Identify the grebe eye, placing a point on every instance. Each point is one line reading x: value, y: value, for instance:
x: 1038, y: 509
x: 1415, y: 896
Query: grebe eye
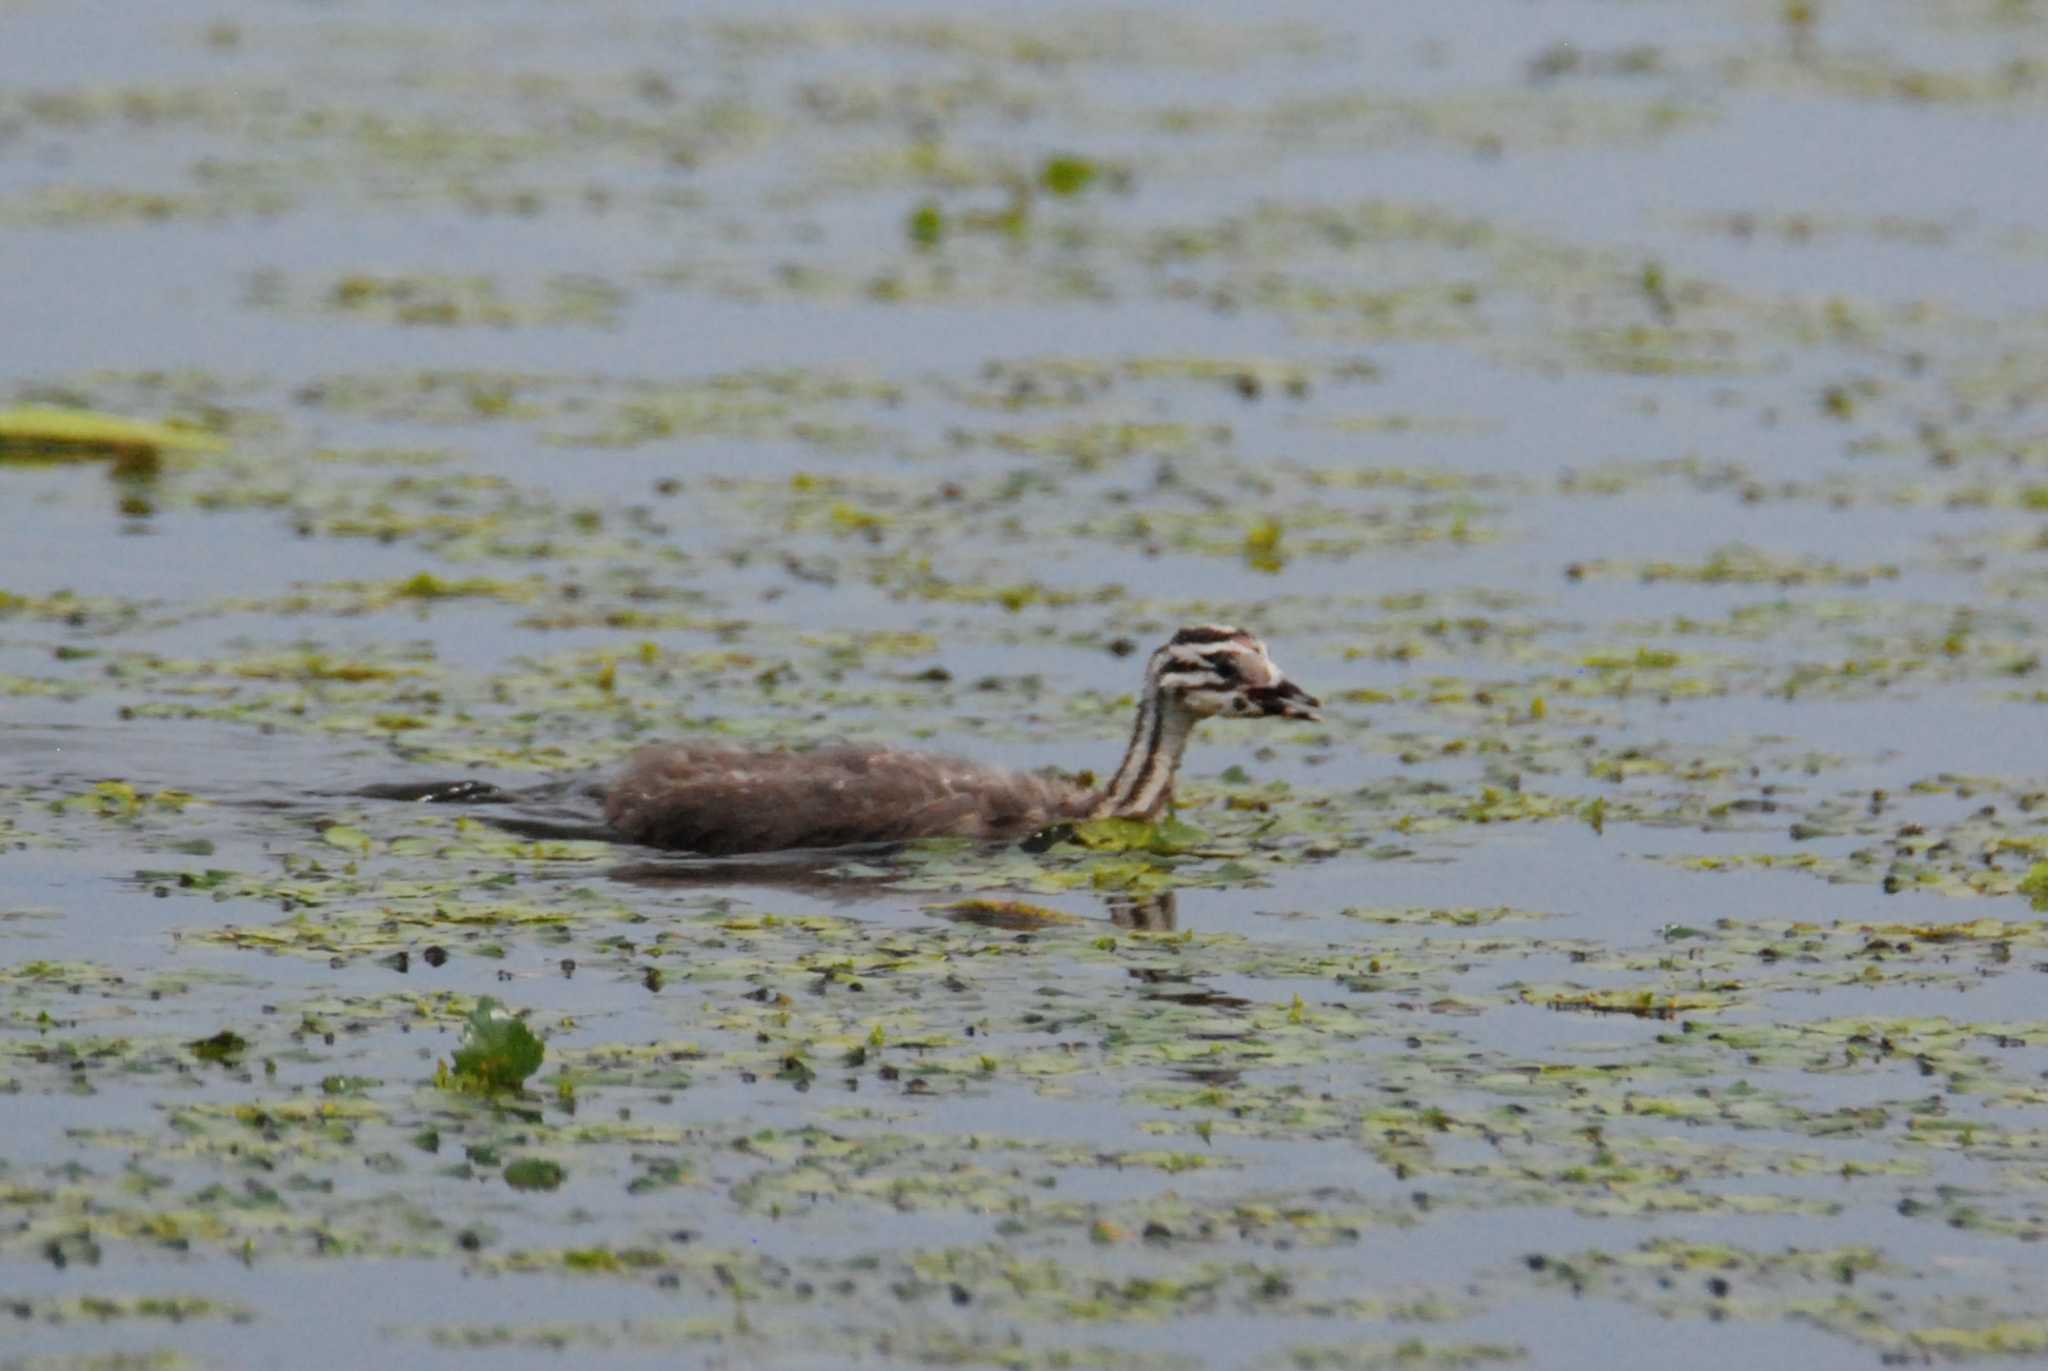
x: 1225, y: 667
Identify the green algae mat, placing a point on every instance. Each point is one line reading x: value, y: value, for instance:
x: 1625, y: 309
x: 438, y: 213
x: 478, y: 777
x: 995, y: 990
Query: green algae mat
x: 1632, y: 421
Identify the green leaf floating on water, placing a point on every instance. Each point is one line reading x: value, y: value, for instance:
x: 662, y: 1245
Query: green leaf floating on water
x: 1164, y: 836
x: 534, y: 1173
x: 2034, y: 885
x: 927, y: 225
x: 498, y: 1051
x: 225, y: 1047
x: 46, y: 432
x: 347, y: 838
x: 1067, y: 174
x: 1012, y: 914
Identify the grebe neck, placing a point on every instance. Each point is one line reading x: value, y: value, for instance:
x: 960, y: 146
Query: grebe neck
x: 1143, y: 785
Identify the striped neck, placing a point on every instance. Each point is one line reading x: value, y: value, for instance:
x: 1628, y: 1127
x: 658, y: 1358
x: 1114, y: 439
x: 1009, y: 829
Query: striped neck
x: 1143, y: 785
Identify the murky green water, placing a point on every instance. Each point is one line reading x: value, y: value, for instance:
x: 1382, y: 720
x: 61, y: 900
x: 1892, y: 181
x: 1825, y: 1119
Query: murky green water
x: 1629, y: 418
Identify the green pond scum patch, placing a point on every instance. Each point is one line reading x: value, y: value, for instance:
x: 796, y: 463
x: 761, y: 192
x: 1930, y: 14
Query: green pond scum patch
x: 1646, y: 943
x: 908, y: 1025
x: 1375, y: 1355
x: 446, y: 301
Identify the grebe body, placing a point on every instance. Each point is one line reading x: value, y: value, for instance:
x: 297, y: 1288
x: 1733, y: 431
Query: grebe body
x: 719, y: 800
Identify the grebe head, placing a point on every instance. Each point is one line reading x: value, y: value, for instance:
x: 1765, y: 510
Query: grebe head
x: 1210, y: 670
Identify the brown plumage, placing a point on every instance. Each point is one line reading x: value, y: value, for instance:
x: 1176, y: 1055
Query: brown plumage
x: 698, y: 798
x: 718, y: 800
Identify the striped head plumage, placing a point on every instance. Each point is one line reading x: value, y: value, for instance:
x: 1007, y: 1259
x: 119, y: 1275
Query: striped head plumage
x: 1215, y: 670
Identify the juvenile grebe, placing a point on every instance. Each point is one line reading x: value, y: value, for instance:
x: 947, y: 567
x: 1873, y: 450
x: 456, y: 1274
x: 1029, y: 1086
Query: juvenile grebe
x: 717, y: 800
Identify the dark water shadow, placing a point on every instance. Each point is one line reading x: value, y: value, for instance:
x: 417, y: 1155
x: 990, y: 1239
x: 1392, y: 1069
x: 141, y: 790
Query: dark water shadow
x: 824, y: 872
